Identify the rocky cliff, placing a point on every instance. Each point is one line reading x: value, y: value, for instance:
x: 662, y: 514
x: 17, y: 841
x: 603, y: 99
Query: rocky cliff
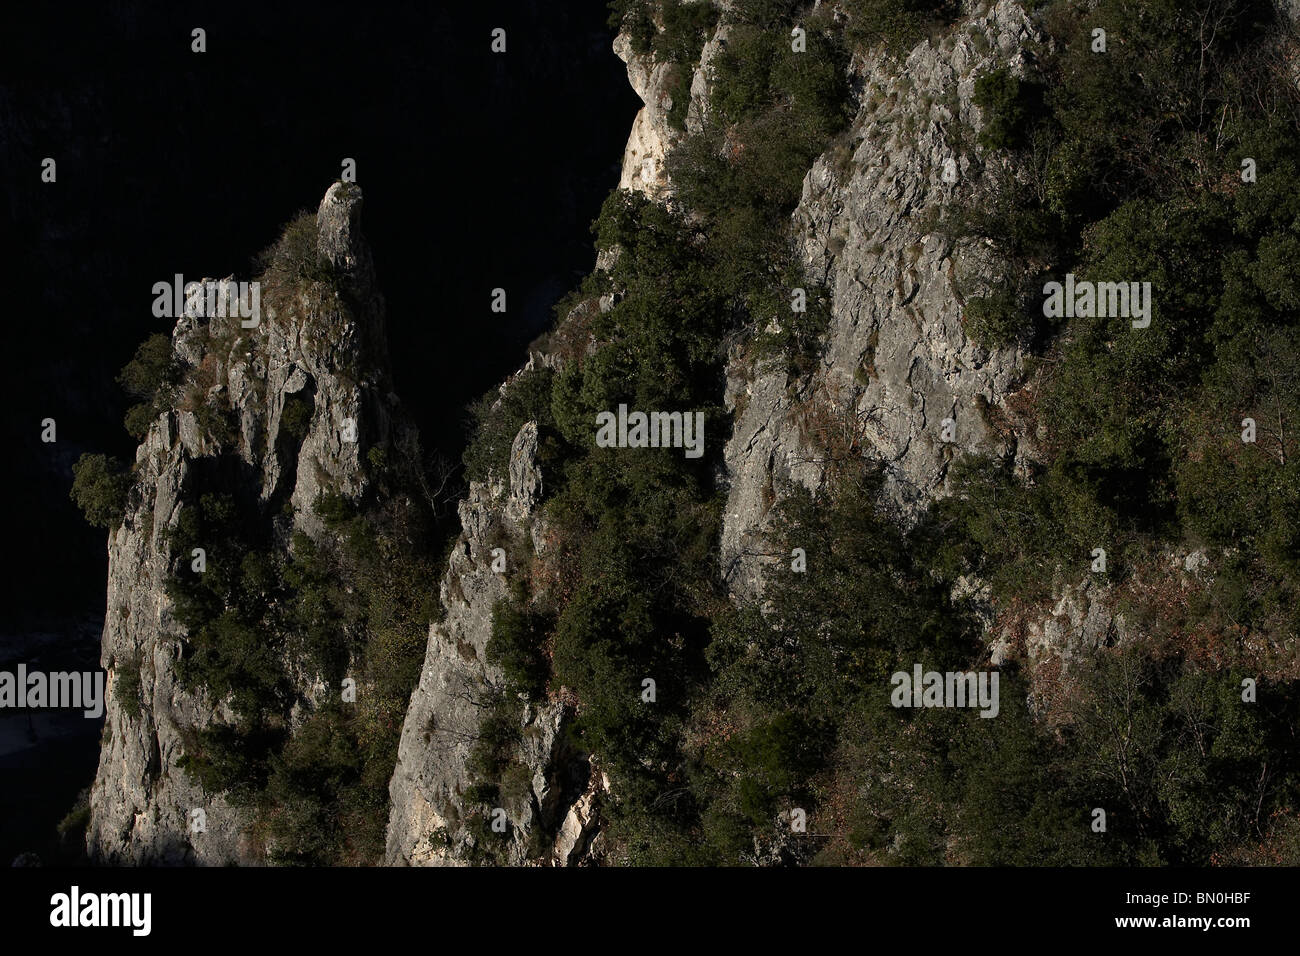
x: 898, y: 381
x: 431, y: 816
x: 896, y: 362
x: 321, y: 343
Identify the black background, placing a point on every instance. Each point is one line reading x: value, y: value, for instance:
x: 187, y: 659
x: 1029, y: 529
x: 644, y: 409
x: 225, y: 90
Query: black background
x: 909, y: 909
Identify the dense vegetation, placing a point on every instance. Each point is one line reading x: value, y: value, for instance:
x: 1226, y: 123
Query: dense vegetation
x: 1130, y: 167
x: 1142, y: 179
x: 353, y: 605
x: 762, y: 710
x: 275, y: 610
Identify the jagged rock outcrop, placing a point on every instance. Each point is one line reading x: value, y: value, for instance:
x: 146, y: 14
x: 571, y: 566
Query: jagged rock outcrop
x: 319, y: 342
x: 653, y: 135
x: 897, y: 361
x: 141, y: 803
x: 1085, y: 615
x: 1052, y: 641
x: 431, y: 812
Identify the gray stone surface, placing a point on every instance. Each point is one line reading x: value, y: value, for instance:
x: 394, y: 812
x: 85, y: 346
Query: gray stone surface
x: 141, y: 801
x: 652, y: 136
x: 429, y: 810
x: 897, y: 361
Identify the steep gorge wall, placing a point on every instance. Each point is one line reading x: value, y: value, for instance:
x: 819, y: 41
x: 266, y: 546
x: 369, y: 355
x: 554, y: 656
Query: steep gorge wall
x: 897, y: 361
x: 897, y: 367
x: 863, y: 231
x: 555, y: 819
x: 896, y: 371
x: 432, y: 814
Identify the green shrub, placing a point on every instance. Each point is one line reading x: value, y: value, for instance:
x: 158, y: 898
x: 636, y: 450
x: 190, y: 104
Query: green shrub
x: 99, y: 487
x: 496, y: 418
x: 998, y: 95
x: 138, y: 419
x: 485, y: 794
x: 776, y: 758
x: 516, y: 647
x: 636, y: 19
x: 497, y: 740
x: 144, y: 377
x: 678, y: 87
x: 127, y: 685
x: 795, y: 336
x: 215, y: 417
x: 685, y: 28
x: 72, y: 828
x: 334, y: 509
x: 229, y: 760
x: 152, y: 367
x: 763, y: 14
x: 293, y: 258
x: 898, y: 24
x: 312, y: 785
x: 295, y: 419
x: 995, y: 320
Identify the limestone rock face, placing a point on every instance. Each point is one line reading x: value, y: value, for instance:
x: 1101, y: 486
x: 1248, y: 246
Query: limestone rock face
x: 525, y: 476
x: 899, y: 380
x: 141, y: 803
x: 653, y: 135
x: 896, y: 363
x: 339, y: 223
x: 1084, y: 615
x: 430, y: 812
x: 576, y: 832
x: 318, y: 343
x: 1053, y: 641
